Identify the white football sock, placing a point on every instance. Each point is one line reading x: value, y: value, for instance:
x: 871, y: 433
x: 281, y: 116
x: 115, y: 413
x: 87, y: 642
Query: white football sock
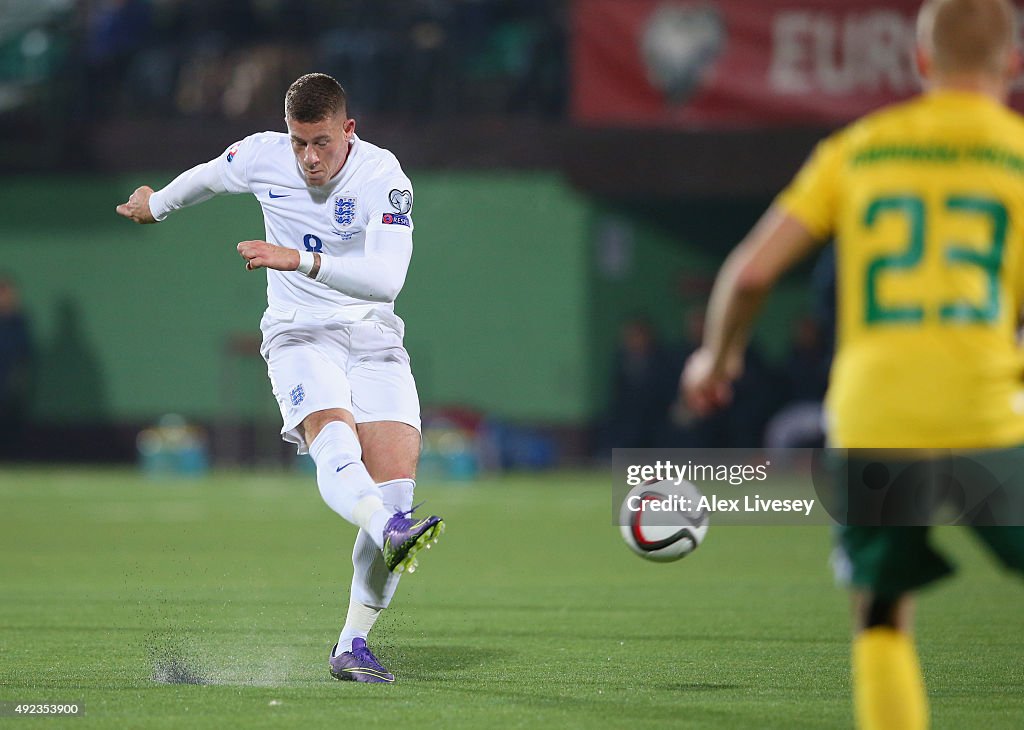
x: 358, y: 623
x: 373, y: 585
x: 344, y: 483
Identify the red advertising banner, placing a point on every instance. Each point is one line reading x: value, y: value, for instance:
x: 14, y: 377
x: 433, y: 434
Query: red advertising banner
x: 739, y: 63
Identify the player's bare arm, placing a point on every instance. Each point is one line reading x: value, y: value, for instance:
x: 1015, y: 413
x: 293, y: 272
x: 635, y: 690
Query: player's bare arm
x: 376, y: 277
x: 775, y: 244
x: 137, y: 208
x: 265, y: 255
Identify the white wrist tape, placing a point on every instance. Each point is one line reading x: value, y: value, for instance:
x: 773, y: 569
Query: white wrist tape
x: 306, y: 261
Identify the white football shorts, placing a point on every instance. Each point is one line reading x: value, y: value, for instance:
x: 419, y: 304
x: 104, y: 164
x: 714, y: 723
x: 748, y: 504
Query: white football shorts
x: 360, y: 366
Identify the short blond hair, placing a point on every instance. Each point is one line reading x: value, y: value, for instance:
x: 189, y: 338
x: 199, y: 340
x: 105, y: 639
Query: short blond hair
x: 967, y: 36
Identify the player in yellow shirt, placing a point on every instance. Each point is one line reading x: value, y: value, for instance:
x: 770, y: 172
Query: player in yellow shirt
x: 925, y: 201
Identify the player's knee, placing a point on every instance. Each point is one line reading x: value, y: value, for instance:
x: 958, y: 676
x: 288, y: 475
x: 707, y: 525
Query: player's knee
x: 391, y: 450
x: 880, y: 612
x: 393, y: 472
x: 314, y: 423
x: 390, y: 464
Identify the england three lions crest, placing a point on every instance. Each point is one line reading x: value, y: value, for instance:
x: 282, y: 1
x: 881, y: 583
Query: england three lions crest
x: 344, y: 210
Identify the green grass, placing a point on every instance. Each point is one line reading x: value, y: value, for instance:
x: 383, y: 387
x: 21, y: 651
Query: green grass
x: 529, y: 613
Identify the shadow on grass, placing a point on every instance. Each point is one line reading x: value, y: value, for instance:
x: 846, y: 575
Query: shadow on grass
x: 695, y: 686
x: 429, y: 662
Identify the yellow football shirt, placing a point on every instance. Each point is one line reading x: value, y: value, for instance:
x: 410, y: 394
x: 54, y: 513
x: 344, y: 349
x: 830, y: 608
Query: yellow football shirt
x: 925, y: 201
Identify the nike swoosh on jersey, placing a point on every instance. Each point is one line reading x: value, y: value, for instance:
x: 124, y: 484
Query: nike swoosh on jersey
x: 278, y: 196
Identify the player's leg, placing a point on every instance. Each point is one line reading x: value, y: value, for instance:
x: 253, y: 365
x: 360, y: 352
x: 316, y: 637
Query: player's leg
x: 888, y: 685
x: 884, y: 565
x: 308, y: 365
x: 341, y: 475
x: 387, y: 410
x: 333, y: 441
x: 390, y: 452
x: 391, y: 449
x: 386, y: 407
x: 374, y: 583
x: 1000, y: 529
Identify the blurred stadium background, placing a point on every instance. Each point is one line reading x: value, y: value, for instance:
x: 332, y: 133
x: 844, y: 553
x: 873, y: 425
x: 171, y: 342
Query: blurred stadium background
x: 581, y: 168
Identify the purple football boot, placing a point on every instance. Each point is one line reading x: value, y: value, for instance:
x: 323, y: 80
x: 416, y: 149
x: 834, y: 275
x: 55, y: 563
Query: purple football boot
x: 359, y: 665
x: 405, y: 536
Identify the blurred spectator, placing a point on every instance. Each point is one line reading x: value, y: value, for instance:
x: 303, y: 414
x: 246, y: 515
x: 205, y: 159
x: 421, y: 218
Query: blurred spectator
x: 115, y: 31
x: 755, y: 397
x: 71, y: 385
x: 682, y: 429
x: 364, y: 50
x: 428, y: 83
x: 400, y: 57
x: 16, y: 356
x: 801, y: 421
x: 741, y: 425
x: 644, y: 384
x: 539, y: 86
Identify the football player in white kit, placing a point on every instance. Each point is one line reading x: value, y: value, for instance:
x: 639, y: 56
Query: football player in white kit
x: 338, y: 242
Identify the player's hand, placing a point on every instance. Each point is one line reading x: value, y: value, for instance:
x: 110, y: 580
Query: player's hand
x: 706, y: 388
x: 260, y: 255
x: 137, y: 207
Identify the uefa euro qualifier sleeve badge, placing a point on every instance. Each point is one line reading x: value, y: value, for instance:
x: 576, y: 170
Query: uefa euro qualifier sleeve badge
x: 401, y: 200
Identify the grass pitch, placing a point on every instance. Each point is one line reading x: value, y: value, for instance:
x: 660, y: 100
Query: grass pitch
x: 214, y: 604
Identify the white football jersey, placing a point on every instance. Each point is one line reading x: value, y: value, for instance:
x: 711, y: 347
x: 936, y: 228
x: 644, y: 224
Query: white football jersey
x: 331, y: 219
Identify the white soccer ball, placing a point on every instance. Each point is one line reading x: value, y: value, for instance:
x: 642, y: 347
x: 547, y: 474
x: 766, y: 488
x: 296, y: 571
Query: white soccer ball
x: 662, y: 521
